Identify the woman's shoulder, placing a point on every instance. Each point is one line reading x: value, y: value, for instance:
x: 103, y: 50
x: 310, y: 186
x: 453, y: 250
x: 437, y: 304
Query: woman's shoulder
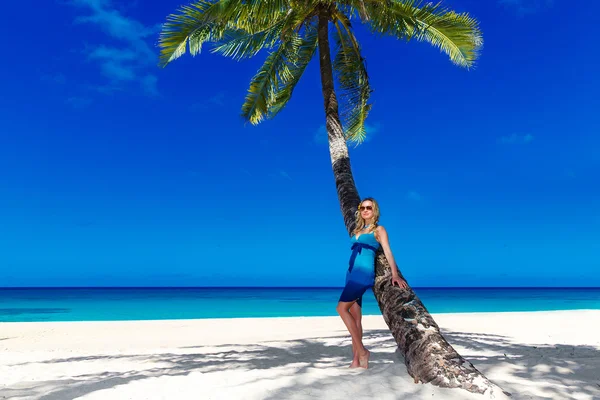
x: 380, y: 233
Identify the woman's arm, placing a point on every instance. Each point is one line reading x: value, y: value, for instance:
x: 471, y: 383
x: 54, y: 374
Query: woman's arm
x: 382, y: 238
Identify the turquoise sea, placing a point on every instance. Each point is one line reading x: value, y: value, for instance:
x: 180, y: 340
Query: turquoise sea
x: 101, y: 304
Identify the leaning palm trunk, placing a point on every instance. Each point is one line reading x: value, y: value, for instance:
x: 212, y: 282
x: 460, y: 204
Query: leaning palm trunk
x: 338, y: 149
x: 429, y: 358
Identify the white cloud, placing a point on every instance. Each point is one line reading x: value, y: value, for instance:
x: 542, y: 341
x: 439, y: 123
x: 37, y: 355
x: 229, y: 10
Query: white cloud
x: 524, y: 7
x: 245, y: 172
x: 516, y: 139
x: 414, y: 196
x: 149, y: 85
x: 110, y: 53
x: 280, y: 173
x: 568, y: 173
x: 130, y: 56
x: 118, y: 71
x: 59, y: 78
x: 285, y: 175
x: 78, y: 102
x: 216, y: 100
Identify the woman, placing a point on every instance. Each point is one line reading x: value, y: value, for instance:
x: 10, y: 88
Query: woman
x: 366, y: 240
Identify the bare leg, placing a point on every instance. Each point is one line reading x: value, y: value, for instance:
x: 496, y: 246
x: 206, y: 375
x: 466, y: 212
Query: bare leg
x: 343, y: 310
x: 356, y: 313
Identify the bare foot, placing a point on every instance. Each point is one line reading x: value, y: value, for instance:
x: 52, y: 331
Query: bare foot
x: 363, y: 359
x: 355, y: 363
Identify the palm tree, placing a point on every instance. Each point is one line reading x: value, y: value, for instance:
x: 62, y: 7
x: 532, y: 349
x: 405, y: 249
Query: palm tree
x: 292, y: 30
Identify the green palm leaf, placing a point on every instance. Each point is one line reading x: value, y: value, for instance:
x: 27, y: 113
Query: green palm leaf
x: 240, y: 44
x: 241, y: 28
x: 353, y: 80
x: 455, y: 34
x: 249, y: 15
x: 274, y: 73
x: 188, y: 27
x: 209, y: 20
x: 306, y: 52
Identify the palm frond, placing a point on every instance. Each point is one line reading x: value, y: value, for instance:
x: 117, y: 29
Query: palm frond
x: 305, y: 53
x: 185, y: 28
x: 209, y: 20
x: 274, y: 73
x: 456, y: 34
x: 251, y: 16
x: 351, y: 74
x: 240, y: 44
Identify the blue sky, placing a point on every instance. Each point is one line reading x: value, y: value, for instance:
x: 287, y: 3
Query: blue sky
x: 117, y: 172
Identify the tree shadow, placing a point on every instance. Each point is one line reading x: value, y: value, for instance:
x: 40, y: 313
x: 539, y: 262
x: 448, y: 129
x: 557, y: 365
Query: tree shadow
x: 286, y: 369
x: 562, y: 371
x: 298, y: 356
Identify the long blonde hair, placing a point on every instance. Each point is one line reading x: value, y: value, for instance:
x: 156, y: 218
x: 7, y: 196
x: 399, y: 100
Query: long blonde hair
x: 360, y: 222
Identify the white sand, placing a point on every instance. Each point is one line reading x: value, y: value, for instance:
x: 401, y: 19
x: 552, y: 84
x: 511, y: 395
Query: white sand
x: 541, y: 355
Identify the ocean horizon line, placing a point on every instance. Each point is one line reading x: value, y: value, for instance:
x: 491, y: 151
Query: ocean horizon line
x: 99, y: 303
x: 288, y: 287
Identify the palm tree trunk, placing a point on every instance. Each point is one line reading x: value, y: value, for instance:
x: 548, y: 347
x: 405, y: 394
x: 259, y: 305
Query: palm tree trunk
x: 429, y: 358
x: 338, y: 149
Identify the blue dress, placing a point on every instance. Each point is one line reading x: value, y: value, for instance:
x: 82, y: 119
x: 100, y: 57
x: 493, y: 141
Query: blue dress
x: 361, y: 271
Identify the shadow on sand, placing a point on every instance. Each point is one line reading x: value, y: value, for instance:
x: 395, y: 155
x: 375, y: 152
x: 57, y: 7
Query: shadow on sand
x: 563, y: 371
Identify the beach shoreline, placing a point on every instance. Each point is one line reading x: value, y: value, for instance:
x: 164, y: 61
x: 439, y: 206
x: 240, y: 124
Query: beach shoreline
x: 541, y: 354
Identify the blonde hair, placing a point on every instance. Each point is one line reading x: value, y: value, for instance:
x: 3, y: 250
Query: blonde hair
x: 360, y: 222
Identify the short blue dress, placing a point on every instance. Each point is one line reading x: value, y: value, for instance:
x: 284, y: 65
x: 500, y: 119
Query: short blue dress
x: 361, y: 272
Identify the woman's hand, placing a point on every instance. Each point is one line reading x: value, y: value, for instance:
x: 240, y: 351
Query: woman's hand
x: 396, y: 280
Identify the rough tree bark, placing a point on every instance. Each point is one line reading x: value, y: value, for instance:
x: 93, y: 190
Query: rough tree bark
x: 429, y: 358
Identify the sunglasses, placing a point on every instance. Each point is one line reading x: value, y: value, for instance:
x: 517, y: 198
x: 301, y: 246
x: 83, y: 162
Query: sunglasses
x: 363, y: 208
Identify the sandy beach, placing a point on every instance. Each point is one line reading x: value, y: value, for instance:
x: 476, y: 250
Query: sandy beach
x: 532, y: 355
